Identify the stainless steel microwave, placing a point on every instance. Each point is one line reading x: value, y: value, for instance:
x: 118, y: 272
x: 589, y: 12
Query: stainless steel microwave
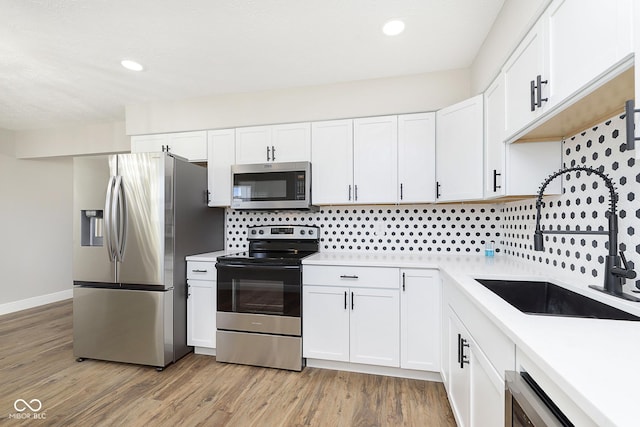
x: 272, y: 186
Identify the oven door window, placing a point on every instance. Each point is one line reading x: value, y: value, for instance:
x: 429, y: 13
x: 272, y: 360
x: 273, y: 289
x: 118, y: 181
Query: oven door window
x: 273, y: 290
x: 269, y: 186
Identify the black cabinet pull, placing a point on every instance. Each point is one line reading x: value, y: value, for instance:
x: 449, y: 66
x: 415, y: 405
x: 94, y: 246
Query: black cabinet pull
x: 403, y: 282
x: 348, y: 276
x: 437, y: 189
x: 540, y: 82
x: 532, y: 95
x: 345, y: 300
x: 349, y: 192
x: 401, y: 195
x: 268, y: 152
x: 495, y: 180
x: 463, y: 357
x: 459, y: 348
x: 355, y: 192
x: 273, y: 153
x: 352, y: 303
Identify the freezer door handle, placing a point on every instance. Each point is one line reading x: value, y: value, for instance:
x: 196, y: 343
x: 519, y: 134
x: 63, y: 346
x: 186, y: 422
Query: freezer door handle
x: 108, y: 218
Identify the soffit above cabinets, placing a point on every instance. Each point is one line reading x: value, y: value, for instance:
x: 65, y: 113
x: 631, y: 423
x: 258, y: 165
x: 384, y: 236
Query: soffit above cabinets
x: 60, y: 60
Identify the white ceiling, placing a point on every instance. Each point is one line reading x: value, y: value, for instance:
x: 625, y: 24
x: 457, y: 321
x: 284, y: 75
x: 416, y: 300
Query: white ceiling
x: 60, y: 59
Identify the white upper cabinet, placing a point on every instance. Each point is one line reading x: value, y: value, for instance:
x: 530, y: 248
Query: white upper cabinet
x: 586, y: 37
x: 417, y: 157
x: 459, y: 151
x: 494, y: 146
x: 220, y: 157
x: 276, y: 143
x: 375, y: 166
x: 526, y: 81
x: 332, y: 162
x: 190, y: 145
x: 514, y: 169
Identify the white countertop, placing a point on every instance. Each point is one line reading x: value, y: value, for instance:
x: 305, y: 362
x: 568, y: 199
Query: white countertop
x: 591, y: 360
x: 209, y: 256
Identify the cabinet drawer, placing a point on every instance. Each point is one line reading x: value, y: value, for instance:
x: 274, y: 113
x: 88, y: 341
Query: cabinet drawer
x: 201, y: 270
x: 370, y: 277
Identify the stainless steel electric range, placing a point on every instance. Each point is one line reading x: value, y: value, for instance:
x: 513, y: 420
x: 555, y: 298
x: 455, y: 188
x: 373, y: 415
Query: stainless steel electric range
x: 259, y: 316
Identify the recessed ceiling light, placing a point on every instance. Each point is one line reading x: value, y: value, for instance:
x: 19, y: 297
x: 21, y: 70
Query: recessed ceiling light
x: 131, y: 65
x: 393, y: 28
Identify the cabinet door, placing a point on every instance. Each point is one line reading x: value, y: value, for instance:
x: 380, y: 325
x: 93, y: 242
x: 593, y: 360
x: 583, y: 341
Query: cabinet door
x: 252, y: 144
x: 375, y: 327
x: 325, y: 323
x: 486, y: 391
x: 220, y: 157
x: 332, y: 162
x: 494, y: 146
x: 420, y: 320
x: 459, y: 373
x: 291, y: 142
x: 190, y: 145
x: 201, y: 313
x: 417, y: 157
x: 375, y: 154
x: 526, y: 63
x: 459, y: 150
x: 586, y: 37
x: 149, y: 143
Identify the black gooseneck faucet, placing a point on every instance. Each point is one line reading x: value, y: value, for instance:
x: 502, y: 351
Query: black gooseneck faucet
x: 614, y: 275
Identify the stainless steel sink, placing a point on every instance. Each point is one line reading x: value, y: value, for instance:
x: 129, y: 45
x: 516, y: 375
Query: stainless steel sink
x: 545, y: 298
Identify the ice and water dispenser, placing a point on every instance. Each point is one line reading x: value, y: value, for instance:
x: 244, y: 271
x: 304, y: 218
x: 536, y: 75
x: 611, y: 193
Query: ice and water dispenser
x: 91, y: 228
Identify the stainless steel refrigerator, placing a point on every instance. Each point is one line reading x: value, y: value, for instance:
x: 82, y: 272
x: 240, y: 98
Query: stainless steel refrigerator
x: 135, y: 218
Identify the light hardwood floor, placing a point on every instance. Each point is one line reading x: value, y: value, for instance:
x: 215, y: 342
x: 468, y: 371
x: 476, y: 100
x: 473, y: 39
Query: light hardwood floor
x: 36, y: 362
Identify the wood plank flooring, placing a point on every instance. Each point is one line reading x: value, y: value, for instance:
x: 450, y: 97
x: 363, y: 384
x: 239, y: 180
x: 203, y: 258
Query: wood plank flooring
x: 36, y: 362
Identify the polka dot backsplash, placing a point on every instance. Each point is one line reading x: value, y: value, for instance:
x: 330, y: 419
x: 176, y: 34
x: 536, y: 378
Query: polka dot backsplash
x: 419, y: 228
x: 583, y: 205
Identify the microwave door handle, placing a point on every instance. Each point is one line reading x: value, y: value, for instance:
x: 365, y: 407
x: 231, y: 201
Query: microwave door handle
x: 108, y: 227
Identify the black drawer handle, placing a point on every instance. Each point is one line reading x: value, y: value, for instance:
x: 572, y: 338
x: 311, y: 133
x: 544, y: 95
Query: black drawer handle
x: 199, y: 271
x: 346, y: 276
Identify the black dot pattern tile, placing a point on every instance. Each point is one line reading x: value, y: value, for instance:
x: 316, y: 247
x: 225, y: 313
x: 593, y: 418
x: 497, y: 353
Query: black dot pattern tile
x: 583, y: 206
x: 404, y: 229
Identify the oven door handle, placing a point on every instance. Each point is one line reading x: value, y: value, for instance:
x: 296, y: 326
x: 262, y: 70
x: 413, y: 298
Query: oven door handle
x: 257, y: 266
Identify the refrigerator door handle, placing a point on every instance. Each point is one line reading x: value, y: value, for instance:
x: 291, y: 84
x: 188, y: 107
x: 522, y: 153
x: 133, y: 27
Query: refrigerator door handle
x: 108, y: 226
x: 118, y: 213
x: 124, y: 218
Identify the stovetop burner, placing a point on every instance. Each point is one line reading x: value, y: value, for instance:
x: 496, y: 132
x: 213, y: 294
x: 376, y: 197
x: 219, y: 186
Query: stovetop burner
x: 279, y: 245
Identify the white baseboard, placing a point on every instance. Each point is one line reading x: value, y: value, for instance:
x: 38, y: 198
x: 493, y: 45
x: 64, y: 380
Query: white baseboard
x: 24, y: 304
x: 375, y: 370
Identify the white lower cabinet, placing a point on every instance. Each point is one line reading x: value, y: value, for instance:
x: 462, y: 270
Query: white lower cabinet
x: 351, y: 314
x: 476, y: 390
x: 420, y: 303
x: 201, y: 304
x: 475, y: 356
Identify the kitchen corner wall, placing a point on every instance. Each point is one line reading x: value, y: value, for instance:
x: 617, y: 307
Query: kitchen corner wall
x: 464, y: 228
x: 584, y: 201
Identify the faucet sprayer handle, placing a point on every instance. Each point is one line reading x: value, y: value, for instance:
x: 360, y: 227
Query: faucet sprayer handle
x: 626, y: 272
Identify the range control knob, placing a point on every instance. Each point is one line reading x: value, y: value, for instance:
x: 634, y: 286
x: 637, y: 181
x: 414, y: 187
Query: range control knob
x: 253, y: 231
x: 302, y: 232
x: 311, y: 232
x: 261, y: 231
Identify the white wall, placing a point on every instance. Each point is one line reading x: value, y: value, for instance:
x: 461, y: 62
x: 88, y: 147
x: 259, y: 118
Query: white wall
x: 511, y: 25
x: 35, y: 227
x: 74, y: 140
x: 404, y: 94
